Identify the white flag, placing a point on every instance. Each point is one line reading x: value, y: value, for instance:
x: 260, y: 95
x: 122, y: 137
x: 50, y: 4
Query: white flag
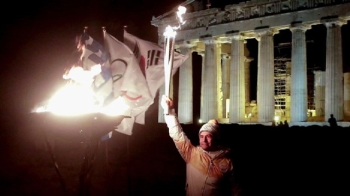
x: 128, y: 81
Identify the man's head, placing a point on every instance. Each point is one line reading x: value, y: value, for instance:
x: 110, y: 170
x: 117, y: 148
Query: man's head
x: 209, y: 135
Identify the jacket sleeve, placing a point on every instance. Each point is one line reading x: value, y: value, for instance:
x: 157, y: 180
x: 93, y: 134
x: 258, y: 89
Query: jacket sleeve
x: 182, y: 143
x: 234, y: 185
x: 235, y: 190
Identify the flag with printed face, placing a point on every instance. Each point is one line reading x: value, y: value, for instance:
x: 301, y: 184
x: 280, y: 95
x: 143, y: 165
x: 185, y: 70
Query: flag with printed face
x: 128, y: 81
x: 151, y: 60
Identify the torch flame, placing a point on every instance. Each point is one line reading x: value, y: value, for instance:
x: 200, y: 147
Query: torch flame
x: 169, y: 42
x: 171, y: 31
x: 180, y: 12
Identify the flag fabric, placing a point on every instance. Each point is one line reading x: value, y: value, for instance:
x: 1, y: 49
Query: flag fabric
x: 128, y: 81
x: 93, y: 53
x: 151, y: 60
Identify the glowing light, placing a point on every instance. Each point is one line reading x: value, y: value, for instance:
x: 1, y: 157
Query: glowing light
x: 180, y: 12
x: 169, y: 42
x: 81, y: 76
x: 77, y: 96
x: 40, y: 109
x: 72, y: 99
x: 169, y: 32
x: 117, y: 107
x: 277, y: 118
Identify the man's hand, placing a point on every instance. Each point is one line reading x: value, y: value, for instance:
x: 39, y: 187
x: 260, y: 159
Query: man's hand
x: 166, y: 103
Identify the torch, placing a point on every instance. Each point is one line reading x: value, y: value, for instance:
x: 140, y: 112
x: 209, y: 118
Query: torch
x: 169, y: 41
x: 169, y: 44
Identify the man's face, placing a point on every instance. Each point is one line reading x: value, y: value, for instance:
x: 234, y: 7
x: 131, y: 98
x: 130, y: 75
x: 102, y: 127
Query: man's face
x: 206, y: 141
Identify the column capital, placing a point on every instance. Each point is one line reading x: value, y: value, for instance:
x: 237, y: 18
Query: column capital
x: 201, y: 53
x: 225, y: 56
x: 235, y: 36
x: 299, y: 26
x: 232, y: 36
x: 333, y: 22
x: 209, y: 40
x: 187, y: 44
x: 248, y: 59
x: 258, y: 33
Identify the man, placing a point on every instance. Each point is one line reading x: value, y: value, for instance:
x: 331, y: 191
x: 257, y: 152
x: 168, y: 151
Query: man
x: 332, y: 121
x: 209, y: 169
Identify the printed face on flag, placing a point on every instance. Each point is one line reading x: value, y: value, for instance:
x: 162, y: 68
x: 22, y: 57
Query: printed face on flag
x: 117, y: 67
x: 128, y: 81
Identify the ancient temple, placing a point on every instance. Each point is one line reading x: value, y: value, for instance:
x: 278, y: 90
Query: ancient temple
x: 284, y: 88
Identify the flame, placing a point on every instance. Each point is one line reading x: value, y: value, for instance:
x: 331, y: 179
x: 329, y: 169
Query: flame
x: 77, y: 96
x: 73, y: 99
x: 171, y: 31
x: 81, y: 76
x: 180, y: 12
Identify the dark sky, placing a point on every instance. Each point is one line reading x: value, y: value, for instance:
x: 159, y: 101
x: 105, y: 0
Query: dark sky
x: 38, y: 42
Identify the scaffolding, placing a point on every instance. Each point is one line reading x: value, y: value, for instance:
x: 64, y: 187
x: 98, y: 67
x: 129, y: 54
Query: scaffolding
x: 282, y: 88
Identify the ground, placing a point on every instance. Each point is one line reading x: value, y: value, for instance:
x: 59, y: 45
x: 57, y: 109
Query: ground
x: 269, y: 161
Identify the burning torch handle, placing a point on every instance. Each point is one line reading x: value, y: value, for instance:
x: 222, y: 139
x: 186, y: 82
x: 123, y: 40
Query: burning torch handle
x: 168, y: 65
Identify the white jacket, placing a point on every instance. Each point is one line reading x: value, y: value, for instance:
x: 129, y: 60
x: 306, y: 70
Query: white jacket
x: 207, y: 173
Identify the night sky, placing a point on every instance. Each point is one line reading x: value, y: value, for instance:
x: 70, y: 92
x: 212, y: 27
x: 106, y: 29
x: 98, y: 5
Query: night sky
x: 37, y: 45
x: 38, y: 42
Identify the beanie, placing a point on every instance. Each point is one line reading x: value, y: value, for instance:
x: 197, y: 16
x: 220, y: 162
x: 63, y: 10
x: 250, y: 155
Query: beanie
x: 212, y: 126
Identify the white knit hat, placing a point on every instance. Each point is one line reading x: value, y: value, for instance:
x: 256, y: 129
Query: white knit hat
x: 212, y: 126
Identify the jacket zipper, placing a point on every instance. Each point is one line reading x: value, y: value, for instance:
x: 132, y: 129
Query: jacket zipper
x: 207, y: 176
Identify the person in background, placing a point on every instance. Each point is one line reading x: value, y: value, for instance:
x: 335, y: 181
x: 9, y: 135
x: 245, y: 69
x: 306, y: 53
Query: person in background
x: 209, y: 168
x: 332, y: 121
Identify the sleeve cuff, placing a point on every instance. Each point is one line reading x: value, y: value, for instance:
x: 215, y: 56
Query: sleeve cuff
x: 171, y: 119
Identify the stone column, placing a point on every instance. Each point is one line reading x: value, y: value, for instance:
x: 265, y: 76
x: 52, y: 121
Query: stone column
x: 185, y: 98
x: 209, y: 94
x: 288, y: 87
x: 334, y: 70
x: 346, y: 96
x: 265, y: 90
x: 225, y: 58
x: 237, y: 82
x: 247, y: 73
x: 298, y: 108
x: 247, y: 79
x: 201, y: 53
x: 320, y: 82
